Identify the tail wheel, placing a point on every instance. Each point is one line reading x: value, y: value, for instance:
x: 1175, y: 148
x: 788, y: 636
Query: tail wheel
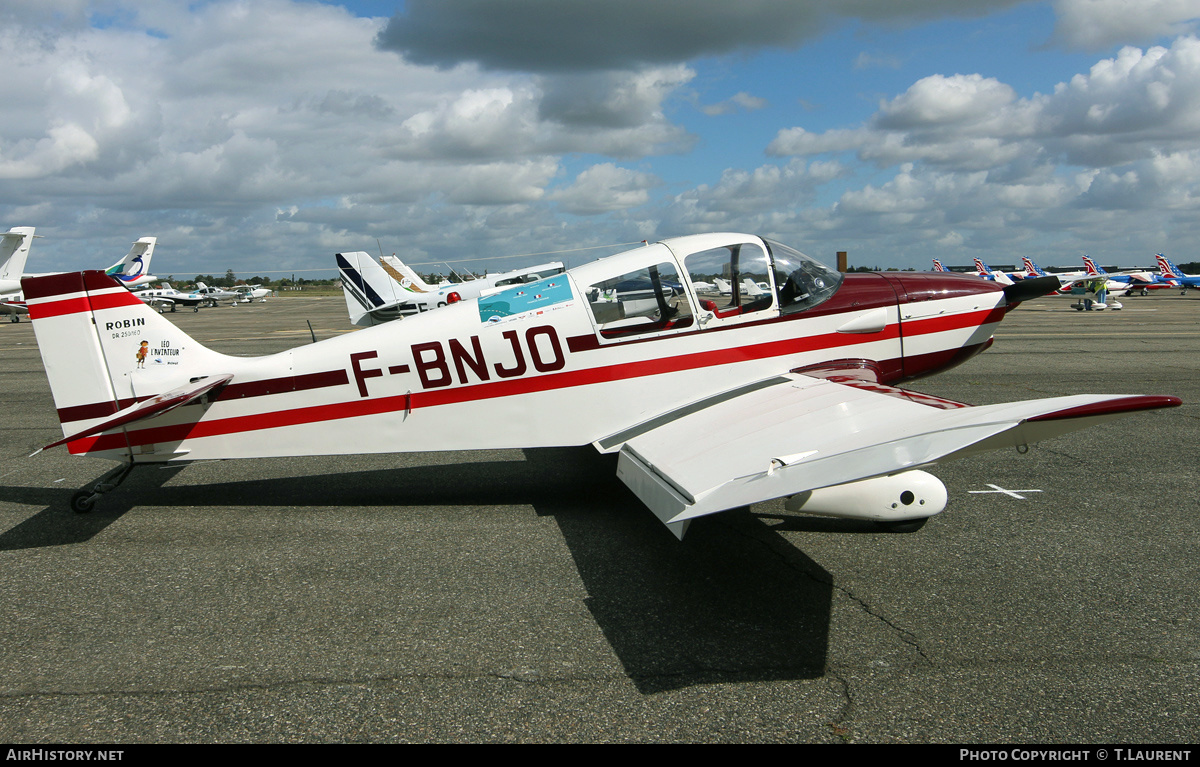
x: 83, y: 501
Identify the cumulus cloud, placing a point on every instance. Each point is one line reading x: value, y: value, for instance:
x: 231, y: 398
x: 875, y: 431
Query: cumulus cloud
x: 1099, y: 24
x: 1133, y: 106
x: 292, y: 129
x: 605, y: 188
x: 754, y: 200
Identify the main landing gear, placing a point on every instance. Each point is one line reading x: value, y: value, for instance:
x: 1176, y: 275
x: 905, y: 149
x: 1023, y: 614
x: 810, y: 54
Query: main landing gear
x: 84, y: 498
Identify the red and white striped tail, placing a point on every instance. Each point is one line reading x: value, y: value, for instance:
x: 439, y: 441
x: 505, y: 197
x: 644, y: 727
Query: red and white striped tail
x: 104, y: 349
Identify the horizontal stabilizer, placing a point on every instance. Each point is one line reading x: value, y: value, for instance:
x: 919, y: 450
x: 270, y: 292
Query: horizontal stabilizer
x: 148, y: 408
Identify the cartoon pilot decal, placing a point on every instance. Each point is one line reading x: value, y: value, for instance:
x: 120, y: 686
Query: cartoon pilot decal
x: 141, y: 353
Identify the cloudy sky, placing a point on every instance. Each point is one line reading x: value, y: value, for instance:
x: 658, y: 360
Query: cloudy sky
x: 265, y: 136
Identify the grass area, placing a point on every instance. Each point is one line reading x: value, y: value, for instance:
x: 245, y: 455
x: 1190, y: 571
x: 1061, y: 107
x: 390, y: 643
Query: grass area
x: 309, y: 291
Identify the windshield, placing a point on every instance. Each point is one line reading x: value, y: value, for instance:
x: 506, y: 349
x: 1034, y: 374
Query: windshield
x: 802, y: 281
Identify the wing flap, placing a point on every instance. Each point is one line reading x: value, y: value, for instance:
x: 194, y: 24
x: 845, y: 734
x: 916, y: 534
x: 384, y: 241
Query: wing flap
x: 799, y: 434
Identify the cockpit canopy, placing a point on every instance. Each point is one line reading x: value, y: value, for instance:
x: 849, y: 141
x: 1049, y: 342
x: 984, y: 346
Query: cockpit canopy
x: 700, y: 281
x: 801, y: 281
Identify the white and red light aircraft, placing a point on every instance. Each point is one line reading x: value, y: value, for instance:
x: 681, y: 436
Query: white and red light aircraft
x: 712, y: 403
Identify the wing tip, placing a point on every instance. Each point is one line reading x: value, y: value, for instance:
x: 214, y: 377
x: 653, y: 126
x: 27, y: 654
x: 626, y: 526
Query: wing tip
x: 1115, y: 406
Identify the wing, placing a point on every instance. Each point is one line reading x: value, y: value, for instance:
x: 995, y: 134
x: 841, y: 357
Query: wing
x: 158, y: 302
x: 794, y: 434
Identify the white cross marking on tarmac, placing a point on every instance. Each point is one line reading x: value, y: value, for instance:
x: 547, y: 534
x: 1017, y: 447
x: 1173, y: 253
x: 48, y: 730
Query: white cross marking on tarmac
x: 1014, y: 493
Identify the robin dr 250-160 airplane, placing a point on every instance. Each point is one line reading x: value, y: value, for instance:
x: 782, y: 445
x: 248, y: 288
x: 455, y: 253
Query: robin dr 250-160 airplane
x: 712, y: 401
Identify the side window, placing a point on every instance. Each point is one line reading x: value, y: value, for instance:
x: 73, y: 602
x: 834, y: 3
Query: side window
x: 649, y: 299
x: 732, y: 279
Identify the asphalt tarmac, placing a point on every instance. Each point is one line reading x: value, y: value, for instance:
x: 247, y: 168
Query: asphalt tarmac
x: 526, y: 596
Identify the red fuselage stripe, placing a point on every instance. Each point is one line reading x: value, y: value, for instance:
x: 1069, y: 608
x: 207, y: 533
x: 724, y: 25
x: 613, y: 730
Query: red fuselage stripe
x: 509, y: 388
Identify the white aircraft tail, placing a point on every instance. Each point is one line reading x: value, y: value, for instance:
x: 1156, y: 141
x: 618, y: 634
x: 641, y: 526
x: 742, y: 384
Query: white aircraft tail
x: 751, y: 288
x: 409, y: 280
x: 937, y: 266
x: 110, y: 358
x: 1091, y: 267
x: 14, y: 250
x: 136, y: 262
x: 368, y: 286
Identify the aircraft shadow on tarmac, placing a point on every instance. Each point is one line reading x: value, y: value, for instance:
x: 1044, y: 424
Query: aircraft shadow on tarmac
x: 733, y: 602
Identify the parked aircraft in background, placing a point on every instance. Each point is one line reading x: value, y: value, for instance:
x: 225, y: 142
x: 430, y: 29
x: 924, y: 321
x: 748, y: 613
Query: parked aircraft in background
x: 248, y: 293
x: 981, y: 270
x: 1171, y: 272
x: 1033, y: 270
x: 14, y: 251
x: 710, y: 404
x: 166, y: 298
x: 988, y: 273
x: 1127, y: 282
x: 377, y: 293
x: 130, y: 271
x: 215, y: 296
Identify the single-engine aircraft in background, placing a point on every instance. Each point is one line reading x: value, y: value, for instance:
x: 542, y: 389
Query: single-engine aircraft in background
x: 248, y: 293
x: 165, y: 298
x: 712, y: 402
x: 378, y: 292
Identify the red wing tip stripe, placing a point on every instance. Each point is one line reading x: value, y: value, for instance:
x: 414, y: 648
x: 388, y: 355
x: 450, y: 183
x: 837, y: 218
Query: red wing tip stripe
x: 1112, y: 407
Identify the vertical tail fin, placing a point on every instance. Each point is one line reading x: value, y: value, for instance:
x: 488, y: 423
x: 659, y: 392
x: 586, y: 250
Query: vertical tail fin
x: 1167, y: 268
x: 937, y: 266
x: 991, y: 273
x: 408, y: 279
x: 1091, y: 267
x: 103, y: 349
x: 1031, y: 268
x: 368, y: 287
x: 751, y: 288
x: 136, y: 263
x: 14, y: 250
